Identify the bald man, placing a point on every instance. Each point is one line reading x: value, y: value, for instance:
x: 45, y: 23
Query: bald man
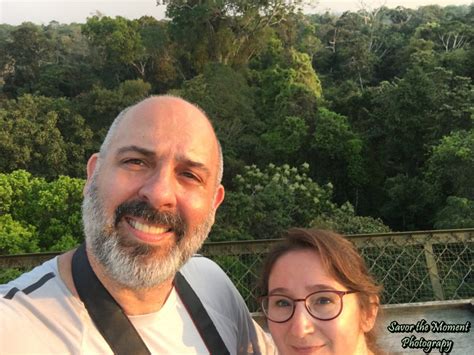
x: 135, y: 287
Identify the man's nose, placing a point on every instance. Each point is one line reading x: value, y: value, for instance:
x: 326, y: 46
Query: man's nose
x: 302, y: 323
x: 160, y: 189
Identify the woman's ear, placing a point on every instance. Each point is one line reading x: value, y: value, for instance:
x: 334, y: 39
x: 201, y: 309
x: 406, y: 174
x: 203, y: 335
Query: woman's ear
x: 369, y: 316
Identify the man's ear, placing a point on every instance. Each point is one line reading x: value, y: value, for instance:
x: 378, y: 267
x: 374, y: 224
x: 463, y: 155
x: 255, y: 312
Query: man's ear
x: 218, y: 198
x: 369, y: 316
x: 220, y: 193
x: 91, y: 166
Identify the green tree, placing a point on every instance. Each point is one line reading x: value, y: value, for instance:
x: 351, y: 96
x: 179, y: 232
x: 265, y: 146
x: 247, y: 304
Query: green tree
x: 410, y: 203
x: 26, y: 50
x: 100, y: 106
x: 266, y: 202
x: 336, y: 154
x: 30, y: 138
x: 16, y: 234
x: 345, y: 221
x: 354, y: 44
x: 230, y: 32
x: 119, y: 50
x: 457, y: 213
x: 16, y: 238
x: 420, y: 108
x: 451, y: 165
x: 161, y: 66
x: 44, y: 135
x: 70, y: 58
x: 44, y: 215
x: 287, y: 94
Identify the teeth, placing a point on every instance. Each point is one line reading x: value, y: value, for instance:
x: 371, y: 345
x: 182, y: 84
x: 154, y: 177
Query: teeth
x: 147, y: 228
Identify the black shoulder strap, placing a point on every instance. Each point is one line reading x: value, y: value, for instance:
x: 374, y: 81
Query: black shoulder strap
x: 115, y: 326
x: 201, y: 319
x: 107, y: 315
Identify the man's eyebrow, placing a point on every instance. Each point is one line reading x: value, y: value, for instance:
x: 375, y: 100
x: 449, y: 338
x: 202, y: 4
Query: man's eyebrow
x: 137, y: 149
x: 180, y: 158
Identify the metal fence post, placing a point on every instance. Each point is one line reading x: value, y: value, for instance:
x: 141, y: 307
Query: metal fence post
x: 433, y: 271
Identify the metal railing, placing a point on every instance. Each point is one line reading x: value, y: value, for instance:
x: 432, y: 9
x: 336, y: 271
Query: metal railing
x: 412, y: 266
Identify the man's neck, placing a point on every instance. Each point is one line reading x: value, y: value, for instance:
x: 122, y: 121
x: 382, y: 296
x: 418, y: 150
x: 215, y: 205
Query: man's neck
x: 133, y: 302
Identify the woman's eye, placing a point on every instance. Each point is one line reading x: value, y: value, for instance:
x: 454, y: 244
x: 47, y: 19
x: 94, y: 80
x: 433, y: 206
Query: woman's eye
x: 322, y: 301
x: 283, y: 303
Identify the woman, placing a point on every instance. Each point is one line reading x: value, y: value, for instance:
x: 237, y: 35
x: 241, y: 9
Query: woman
x: 319, y: 298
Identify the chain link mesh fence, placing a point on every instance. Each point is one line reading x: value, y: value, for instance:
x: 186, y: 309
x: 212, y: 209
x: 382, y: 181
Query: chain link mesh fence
x: 412, y: 267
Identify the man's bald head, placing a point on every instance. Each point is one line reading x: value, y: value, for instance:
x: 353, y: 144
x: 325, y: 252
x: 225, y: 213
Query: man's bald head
x: 184, y: 106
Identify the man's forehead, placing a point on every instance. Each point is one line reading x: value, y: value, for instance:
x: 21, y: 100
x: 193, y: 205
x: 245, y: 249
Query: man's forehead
x: 167, y: 120
x: 165, y: 111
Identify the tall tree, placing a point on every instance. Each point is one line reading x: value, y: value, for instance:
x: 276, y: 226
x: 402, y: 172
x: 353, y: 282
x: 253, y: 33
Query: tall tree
x: 120, y: 52
x: 451, y: 165
x: 287, y: 94
x: 335, y: 153
x: 161, y: 67
x: 230, y: 32
x: 26, y: 51
x: 43, y: 135
x: 70, y: 58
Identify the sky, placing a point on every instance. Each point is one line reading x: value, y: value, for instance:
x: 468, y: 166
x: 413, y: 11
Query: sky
x: 14, y: 12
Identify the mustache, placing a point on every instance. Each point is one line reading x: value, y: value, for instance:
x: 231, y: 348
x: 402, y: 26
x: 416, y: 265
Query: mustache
x: 145, y: 211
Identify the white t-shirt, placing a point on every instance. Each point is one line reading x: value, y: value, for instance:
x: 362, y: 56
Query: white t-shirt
x: 39, y: 315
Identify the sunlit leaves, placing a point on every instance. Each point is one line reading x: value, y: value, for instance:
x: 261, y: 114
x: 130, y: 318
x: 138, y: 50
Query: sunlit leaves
x: 267, y: 201
x: 39, y: 215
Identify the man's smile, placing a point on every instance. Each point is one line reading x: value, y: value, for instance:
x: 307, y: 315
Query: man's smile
x: 148, y: 228
x: 149, y: 233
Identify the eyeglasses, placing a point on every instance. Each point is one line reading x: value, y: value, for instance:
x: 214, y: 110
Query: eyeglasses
x: 322, y: 305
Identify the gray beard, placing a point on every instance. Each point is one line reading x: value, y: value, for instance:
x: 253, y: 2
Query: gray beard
x: 134, y: 265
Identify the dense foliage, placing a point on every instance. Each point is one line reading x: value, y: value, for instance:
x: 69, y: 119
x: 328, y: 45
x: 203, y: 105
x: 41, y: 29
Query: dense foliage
x: 323, y: 118
x: 37, y: 215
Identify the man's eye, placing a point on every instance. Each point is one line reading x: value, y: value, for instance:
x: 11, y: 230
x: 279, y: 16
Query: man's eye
x: 190, y: 175
x: 137, y: 162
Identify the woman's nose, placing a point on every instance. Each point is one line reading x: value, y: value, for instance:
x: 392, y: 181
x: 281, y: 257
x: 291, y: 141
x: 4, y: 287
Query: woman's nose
x: 302, y: 323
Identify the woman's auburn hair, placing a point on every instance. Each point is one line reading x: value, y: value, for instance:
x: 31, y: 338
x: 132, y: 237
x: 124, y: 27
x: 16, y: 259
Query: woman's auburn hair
x: 340, y: 259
